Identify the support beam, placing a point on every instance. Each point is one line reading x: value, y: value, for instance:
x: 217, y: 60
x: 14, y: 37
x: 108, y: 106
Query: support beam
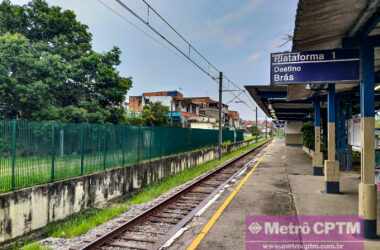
x: 318, y: 155
x: 354, y: 42
x: 293, y: 110
x: 367, y: 187
x: 272, y: 94
x: 331, y: 165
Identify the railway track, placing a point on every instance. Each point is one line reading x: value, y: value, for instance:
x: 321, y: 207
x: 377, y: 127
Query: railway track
x: 154, y: 227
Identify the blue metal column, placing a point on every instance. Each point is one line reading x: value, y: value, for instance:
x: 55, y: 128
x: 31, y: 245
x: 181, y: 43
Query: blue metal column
x: 342, y: 151
x: 331, y: 165
x: 318, y: 155
x: 367, y: 187
x: 348, y: 116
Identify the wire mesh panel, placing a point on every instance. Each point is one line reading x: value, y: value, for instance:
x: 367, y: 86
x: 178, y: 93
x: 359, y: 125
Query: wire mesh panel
x: 132, y: 145
x: 5, y: 156
x: 94, y: 145
x: 40, y: 152
x: 32, y: 152
x: 113, y: 148
x: 68, y: 157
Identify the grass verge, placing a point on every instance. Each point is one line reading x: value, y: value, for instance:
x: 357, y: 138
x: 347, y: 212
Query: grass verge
x: 81, y: 223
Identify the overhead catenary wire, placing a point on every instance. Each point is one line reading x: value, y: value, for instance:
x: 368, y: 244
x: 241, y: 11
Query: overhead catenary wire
x: 235, y: 97
x: 136, y: 27
x: 166, y: 39
x: 178, y: 51
x: 191, y: 47
x: 242, y: 90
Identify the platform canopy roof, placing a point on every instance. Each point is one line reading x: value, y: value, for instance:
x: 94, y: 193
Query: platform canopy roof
x: 331, y: 24
x: 272, y: 100
x: 319, y: 25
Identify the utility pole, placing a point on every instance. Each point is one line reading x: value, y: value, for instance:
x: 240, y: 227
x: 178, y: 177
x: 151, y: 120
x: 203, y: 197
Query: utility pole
x: 266, y: 127
x: 257, y: 127
x: 220, y: 115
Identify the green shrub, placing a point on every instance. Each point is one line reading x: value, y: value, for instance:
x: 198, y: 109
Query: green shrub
x: 308, y: 135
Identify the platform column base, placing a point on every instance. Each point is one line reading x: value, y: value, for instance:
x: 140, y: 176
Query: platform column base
x: 332, y: 173
x: 370, y: 229
x: 332, y: 187
x: 317, y: 171
x: 318, y: 164
x: 368, y: 209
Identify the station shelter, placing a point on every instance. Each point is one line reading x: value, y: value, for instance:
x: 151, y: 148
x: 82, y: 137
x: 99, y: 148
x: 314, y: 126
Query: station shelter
x: 334, y: 108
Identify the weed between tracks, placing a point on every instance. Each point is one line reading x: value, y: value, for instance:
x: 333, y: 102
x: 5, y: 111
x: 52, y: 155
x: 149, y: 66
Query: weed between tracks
x: 81, y: 223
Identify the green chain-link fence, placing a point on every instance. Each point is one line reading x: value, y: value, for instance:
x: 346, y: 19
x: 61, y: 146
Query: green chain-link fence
x: 39, y: 152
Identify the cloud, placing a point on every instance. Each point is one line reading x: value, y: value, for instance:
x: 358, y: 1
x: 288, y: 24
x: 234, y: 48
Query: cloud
x: 225, y: 27
x: 254, y: 57
x: 239, y: 13
x: 235, y: 38
x: 281, y: 42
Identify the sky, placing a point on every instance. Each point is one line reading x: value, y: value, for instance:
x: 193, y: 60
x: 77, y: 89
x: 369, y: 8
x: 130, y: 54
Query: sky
x: 236, y: 36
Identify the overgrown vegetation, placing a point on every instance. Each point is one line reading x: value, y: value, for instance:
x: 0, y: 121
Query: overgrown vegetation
x: 255, y: 131
x: 308, y: 135
x: 153, y: 114
x: 82, y: 223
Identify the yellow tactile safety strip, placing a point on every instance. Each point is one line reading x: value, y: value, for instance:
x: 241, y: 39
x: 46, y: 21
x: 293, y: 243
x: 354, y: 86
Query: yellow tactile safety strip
x: 205, y: 230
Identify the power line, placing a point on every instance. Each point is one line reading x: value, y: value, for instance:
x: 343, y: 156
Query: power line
x: 190, y: 47
x: 186, y: 41
x: 137, y: 27
x: 146, y: 22
x: 159, y: 42
x: 238, y: 87
x: 180, y: 35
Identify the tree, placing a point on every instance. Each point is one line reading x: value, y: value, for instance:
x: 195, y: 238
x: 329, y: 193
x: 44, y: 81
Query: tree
x: 134, y: 121
x: 49, y: 71
x: 155, y: 114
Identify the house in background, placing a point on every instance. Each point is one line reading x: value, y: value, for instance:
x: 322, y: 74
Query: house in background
x: 191, y: 112
x: 205, y: 112
x: 135, y: 104
x: 234, y: 120
x: 169, y: 99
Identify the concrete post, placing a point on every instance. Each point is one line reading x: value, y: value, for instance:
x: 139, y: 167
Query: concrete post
x: 367, y: 187
x: 331, y: 165
x: 318, y: 155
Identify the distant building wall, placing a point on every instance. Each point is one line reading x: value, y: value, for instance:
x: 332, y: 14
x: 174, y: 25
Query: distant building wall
x: 164, y: 100
x: 293, y: 134
x: 135, y: 104
x: 29, y: 209
x: 293, y: 139
x: 202, y: 125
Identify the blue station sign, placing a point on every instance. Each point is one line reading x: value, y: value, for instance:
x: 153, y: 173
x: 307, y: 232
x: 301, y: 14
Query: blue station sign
x: 319, y: 66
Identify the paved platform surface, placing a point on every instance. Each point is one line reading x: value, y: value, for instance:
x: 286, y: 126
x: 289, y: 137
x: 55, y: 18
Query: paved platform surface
x: 281, y: 185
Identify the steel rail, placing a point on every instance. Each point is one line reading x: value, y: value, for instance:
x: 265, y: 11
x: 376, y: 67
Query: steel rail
x: 139, y: 219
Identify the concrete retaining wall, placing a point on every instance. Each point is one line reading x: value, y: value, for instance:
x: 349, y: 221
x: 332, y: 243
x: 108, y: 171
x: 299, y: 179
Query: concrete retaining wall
x: 29, y: 209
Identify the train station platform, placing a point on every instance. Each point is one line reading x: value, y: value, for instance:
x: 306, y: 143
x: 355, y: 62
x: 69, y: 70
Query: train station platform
x: 282, y: 184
